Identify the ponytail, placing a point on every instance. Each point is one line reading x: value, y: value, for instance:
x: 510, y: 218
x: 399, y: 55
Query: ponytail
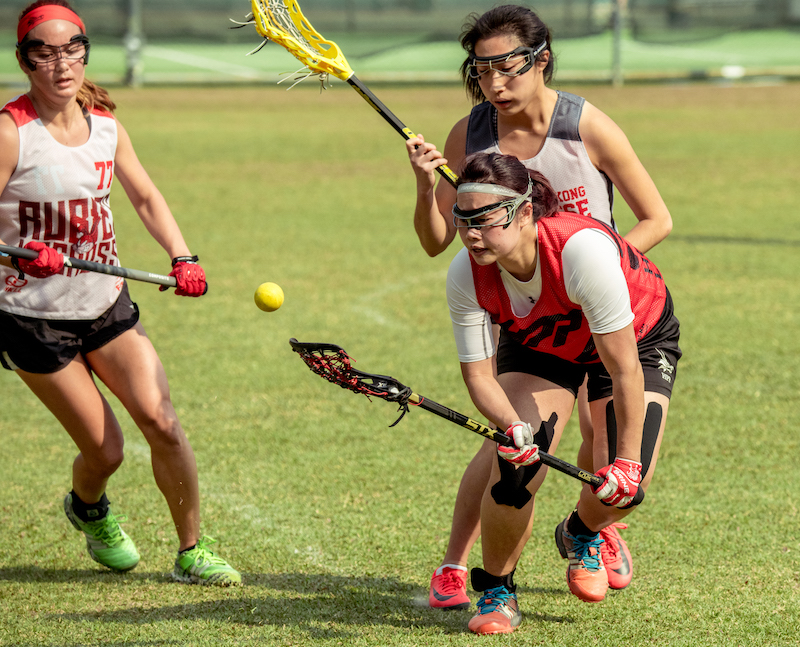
x: 92, y: 96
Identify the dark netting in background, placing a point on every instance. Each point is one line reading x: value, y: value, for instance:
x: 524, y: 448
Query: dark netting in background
x: 443, y: 19
x: 421, y: 20
x: 162, y: 20
x: 668, y: 21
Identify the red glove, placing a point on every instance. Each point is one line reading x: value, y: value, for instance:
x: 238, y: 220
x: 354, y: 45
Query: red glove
x: 526, y: 451
x: 620, y: 482
x: 190, y: 277
x: 48, y: 262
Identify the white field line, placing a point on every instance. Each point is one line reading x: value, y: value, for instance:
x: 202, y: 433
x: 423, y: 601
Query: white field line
x: 201, y: 62
x: 369, y: 305
x: 262, y: 520
x: 685, y: 53
x: 137, y: 446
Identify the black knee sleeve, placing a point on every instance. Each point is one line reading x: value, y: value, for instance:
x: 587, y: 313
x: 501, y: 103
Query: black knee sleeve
x: 511, y: 489
x: 652, y: 424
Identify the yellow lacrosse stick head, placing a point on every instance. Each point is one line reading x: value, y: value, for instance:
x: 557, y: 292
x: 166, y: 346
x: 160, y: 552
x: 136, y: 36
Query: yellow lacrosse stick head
x: 282, y: 22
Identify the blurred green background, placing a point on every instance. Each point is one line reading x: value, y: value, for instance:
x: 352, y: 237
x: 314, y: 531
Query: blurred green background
x: 177, y: 41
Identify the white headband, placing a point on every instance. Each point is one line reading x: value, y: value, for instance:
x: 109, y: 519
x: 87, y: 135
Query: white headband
x: 493, y: 189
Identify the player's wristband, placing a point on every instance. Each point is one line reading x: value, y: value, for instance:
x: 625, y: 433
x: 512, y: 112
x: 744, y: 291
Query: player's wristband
x: 184, y: 259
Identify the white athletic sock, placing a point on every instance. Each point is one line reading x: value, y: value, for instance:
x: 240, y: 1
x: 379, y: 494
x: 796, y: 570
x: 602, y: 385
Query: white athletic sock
x: 458, y: 567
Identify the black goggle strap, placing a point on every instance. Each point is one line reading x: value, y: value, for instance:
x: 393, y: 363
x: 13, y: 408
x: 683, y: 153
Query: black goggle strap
x: 530, y: 53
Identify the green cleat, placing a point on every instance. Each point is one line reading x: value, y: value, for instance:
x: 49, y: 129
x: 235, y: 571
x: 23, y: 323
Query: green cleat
x: 201, y: 566
x: 107, y: 543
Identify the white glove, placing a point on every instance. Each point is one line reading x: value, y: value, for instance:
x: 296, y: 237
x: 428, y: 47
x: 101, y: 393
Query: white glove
x: 526, y: 451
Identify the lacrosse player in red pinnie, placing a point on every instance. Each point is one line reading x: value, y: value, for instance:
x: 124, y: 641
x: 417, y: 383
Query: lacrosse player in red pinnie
x: 60, y: 149
x: 581, y: 152
x: 574, y: 303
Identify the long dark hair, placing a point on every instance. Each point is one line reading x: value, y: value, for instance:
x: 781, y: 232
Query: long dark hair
x: 90, y: 96
x: 507, y: 20
x: 508, y: 171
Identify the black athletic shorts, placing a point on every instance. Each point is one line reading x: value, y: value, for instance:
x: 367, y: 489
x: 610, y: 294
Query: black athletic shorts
x: 659, y: 353
x: 47, y: 345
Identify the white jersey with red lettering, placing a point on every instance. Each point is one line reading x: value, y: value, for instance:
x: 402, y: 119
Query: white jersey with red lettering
x: 59, y: 195
x: 563, y: 159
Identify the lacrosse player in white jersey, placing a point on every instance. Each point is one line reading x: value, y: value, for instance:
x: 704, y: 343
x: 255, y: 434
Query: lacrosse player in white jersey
x: 60, y: 149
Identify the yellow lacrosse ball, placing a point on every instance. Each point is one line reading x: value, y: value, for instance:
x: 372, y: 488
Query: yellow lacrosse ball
x: 269, y: 296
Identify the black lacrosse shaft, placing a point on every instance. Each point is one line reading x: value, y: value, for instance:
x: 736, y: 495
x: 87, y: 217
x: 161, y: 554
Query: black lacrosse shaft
x: 91, y: 266
x: 398, y: 125
x: 499, y: 437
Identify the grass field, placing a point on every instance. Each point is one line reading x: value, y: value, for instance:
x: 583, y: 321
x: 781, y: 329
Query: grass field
x: 335, y: 520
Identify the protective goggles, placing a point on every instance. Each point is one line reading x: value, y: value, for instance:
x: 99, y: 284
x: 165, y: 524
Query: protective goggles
x: 513, y: 63
x: 477, y: 218
x: 35, y: 51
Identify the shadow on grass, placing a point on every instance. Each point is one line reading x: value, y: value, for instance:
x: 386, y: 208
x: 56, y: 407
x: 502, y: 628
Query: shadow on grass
x: 321, y: 605
x: 24, y: 574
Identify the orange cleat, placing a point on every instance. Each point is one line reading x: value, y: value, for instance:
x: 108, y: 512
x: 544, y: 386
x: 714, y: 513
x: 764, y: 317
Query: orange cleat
x: 616, y: 556
x: 498, y: 613
x: 449, y: 588
x: 586, y: 575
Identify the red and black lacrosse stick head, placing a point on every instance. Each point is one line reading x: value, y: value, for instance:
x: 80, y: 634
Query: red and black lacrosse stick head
x: 335, y: 365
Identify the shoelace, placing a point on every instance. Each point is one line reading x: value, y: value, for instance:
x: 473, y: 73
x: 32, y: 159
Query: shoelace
x: 450, y: 583
x: 583, y: 546
x: 107, y: 529
x: 493, y: 598
x: 204, y: 555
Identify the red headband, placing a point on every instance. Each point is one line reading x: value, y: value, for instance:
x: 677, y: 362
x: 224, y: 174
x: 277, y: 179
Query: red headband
x: 42, y: 14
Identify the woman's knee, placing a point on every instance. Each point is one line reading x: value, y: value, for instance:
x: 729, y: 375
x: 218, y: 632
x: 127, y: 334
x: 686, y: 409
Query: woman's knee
x: 160, y: 425
x: 103, y: 460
